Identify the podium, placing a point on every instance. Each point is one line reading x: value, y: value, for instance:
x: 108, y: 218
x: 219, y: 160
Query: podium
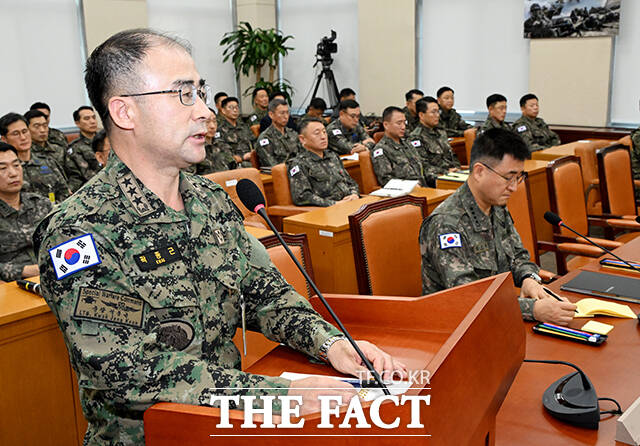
x: 469, y: 339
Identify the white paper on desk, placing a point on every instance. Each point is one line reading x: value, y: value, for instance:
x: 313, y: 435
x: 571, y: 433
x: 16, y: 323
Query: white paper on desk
x: 370, y: 394
x: 353, y: 156
x: 396, y: 188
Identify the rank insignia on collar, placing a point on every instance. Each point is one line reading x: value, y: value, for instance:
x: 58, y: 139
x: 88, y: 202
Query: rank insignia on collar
x: 133, y: 192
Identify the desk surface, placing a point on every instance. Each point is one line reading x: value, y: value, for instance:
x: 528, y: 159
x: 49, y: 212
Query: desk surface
x: 564, y: 149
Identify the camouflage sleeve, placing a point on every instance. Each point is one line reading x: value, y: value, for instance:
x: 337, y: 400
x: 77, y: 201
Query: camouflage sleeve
x: 302, y: 193
x: 461, y: 124
x: 352, y: 185
x: 74, y: 175
x: 61, y: 189
x: 635, y: 153
x: 527, y: 136
x: 10, y: 271
x: 526, y: 308
x: 128, y: 362
x: 453, y: 133
x: 362, y: 135
x: 338, y: 142
x: 453, y: 160
x: 381, y: 165
x: 555, y: 139
x: 265, y: 150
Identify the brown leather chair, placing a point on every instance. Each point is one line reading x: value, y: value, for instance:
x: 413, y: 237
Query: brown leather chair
x: 369, y: 179
x: 519, y: 206
x: 625, y: 140
x: 253, y: 158
x: 469, y: 138
x: 257, y: 344
x: 283, y: 204
x: 228, y: 180
x: 586, y: 151
x: 377, y: 136
x: 255, y: 128
x: 72, y: 136
x: 384, y: 236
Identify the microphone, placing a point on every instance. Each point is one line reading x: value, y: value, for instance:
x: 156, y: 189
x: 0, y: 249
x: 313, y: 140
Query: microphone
x: 555, y: 220
x: 30, y: 286
x: 252, y: 198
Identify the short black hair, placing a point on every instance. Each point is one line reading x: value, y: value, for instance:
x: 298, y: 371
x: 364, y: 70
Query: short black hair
x: 494, y: 98
x: 275, y: 103
x: 494, y: 144
x: 409, y: 94
x: 303, y: 124
x: 423, y: 104
x: 386, y: 114
x: 318, y: 104
x: 349, y: 103
x: 274, y: 94
x: 346, y: 92
x: 76, y: 113
x: 37, y: 105
x: 443, y: 90
x: 527, y: 97
x: 256, y: 90
x: 228, y: 99
x: 4, y: 147
x: 9, y: 119
x: 219, y: 95
x: 29, y: 115
x: 112, y: 68
x: 97, y: 144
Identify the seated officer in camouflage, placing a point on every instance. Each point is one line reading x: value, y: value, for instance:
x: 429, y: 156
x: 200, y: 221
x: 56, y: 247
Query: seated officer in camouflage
x: 533, y: 130
x: 260, y: 99
x: 216, y: 158
x: 410, y: 113
x: 146, y: 268
x: 37, y: 124
x: 235, y: 136
x: 278, y: 142
x: 20, y: 212
x: 317, y: 176
x: 394, y: 156
x: 42, y: 176
x: 101, y: 147
x: 471, y: 235
x: 497, y: 107
x: 346, y: 134
x: 635, y: 157
x: 266, y: 121
x: 56, y: 136
x: 315, y: 109
x: 432, y: 143
x: 80, y: 150
x: 450, y: 119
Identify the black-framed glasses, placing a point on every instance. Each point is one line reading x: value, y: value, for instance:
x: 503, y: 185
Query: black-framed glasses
x: 187, y: 93
x: 513, y: 179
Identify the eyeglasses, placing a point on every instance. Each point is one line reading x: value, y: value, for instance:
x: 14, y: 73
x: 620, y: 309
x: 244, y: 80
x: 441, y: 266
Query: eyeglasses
x: 17, y: 133
x: 514, y: 179
x: 187, y: 93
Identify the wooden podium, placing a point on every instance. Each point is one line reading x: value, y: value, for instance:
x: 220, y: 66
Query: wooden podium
x: 470, y: 339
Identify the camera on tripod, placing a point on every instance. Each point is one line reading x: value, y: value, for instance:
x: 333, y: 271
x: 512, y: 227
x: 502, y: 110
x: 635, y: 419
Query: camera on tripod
x: 326, y: 48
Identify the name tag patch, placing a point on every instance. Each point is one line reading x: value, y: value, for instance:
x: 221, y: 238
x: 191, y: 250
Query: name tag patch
x: 156, y: 258
x: 294, y: 170
x: 74, y: 255
x: 522, y: 128
x: 107, y: 306
x: 264, y: 142
x: 415, y: 143
x: 337, y: 132
x: 377, y: 152
x: 451, y: 240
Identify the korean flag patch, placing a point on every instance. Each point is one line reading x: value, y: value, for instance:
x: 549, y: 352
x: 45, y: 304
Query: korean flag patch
x: 264, y: 142
x: 74, y: 255
x: 522, y: 128
x: 253, y: 118
x: 377, y: 152
x: 415, y: 143
x: 450, y: 241
x: 294, y: 170
x: 337, y: 132
x: 217, y: 135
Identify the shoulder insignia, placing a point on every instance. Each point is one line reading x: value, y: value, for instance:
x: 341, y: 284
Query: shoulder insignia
x: 336, y: 132
x: 217, y: 135
x: 106, y: 306
x: 378, y: 152
x: 522, y: 128
x: 70, y: 151
x: 451, y: 240
x: 416, y: 143
x: 74, y: 255
x: 294, y: 170
x: 264, y: 142
x: 253, y: 118
x: 134, y: 194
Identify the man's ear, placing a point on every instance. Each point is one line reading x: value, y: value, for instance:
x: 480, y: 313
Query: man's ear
x: 122, y: 112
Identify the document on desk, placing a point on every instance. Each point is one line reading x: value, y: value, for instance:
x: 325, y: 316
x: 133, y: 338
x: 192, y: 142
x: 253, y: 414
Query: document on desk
x: 605, y: 285
x: 368, y: 394
x: 396, y: 188
x: 353, y: 157
x: 461, y: 176
x: 590, y: 307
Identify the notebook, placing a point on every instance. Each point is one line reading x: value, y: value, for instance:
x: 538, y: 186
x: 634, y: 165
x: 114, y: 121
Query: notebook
x: 605, y: 285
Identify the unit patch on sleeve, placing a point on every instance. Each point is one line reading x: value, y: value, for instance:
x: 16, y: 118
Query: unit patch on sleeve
x: 106, y: 306
x: 156, y: 258
x: 74, y: 255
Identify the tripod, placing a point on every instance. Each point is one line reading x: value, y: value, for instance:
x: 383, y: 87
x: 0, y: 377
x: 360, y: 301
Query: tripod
x: 327, y: 73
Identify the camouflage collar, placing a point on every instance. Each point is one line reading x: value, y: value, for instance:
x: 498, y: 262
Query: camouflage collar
x: 6, y: 210
x: 480, y: 221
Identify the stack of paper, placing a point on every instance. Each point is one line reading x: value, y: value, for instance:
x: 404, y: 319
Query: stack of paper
x: 589, y: 307
x: 396, y: 188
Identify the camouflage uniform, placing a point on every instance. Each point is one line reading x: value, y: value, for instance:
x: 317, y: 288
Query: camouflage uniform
x: 57, y: 138
x: 216, y: 160
x: 16, y: 229
x: 412, y: 121
x: 274, y: 147
x: 392, y: 159
x: 255, y: 117
x: 44, y: 177
x: 435, y: 152
x: 491, y: 123
x: 71, y: 171
x: 237, y: 140
x: 452, y: 123
x: 342, y: 140
x: 535, y: 133
x: 81, y: 152
x: 316, y: 181
x: 635, y: 157
x: 154, y: 320
x: 486, y: 245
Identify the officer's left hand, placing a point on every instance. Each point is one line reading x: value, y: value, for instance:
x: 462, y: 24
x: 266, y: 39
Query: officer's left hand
x: 531, y: 288
x: 344, y: 358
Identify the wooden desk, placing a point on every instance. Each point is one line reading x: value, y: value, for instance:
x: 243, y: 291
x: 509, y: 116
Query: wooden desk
x: 612, y: 368
x: 556, y: 152
x: 568, y: 133
x: 539, y: 195
x: 329, y: 239
x: 258, y: 232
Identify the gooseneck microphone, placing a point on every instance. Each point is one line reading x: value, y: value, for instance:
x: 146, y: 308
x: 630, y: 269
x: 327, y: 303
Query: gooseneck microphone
x: 555, y: 220
x: 252, y: 198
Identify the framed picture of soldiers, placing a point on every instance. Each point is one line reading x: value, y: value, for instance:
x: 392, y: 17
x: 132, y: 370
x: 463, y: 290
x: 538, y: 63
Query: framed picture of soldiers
x: 571, y: 18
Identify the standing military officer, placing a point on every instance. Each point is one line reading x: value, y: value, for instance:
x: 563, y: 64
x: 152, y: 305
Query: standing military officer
x: 317, y: 176
x: 56, y: 136
x: 20, y: 212
x: 450, y: 119
x: 393, y: 156
x: 149, y: 270
x: 533, y: 130
x: 410, y: 113
x: 432, y: 143
x: 278, y: 142
x: 234, y: 135
x: 497, y: 107
x: 346, y: 134
x: 471, y: 235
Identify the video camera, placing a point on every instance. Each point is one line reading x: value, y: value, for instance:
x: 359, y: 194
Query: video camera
x: 326, y: 48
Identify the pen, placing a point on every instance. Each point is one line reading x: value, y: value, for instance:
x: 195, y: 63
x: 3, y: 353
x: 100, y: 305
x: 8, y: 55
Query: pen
x: 552, y: 294
x: 361, y: 384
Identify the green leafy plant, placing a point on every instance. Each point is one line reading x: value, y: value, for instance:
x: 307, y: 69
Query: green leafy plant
x: 281, y: 85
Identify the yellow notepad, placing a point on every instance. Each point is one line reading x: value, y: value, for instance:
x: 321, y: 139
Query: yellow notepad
x: 597, y: 327
x: 590, y: 307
